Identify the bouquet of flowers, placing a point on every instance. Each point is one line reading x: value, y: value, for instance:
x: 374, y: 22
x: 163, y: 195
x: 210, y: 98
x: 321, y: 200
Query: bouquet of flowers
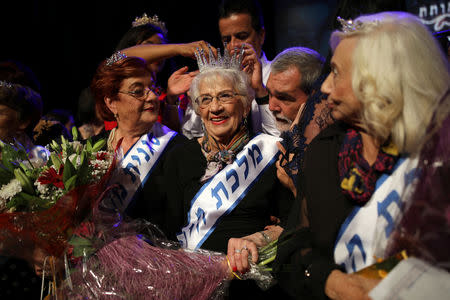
x: 46, y: 193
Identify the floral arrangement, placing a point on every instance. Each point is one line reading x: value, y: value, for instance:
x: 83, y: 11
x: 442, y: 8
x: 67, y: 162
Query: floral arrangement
x: 45, y: 194
x: 35, y: 181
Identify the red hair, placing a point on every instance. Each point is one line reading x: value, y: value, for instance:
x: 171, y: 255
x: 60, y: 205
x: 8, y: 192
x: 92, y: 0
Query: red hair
x: 108, y: 79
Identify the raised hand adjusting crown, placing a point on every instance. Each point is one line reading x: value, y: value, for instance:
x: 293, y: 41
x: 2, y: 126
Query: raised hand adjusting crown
x: 226, y: 61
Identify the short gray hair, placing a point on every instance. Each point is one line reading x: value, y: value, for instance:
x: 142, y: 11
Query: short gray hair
x: 238, y: 79
x: 307, y: 61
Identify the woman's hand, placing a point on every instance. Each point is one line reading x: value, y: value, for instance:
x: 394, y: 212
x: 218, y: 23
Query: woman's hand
x: 189, y: 49
x: 253, y: 67
x: 342, y: 286
x: 238, y: 251
x: 283, y: 177
x: 239, y: 248
x: 179, y: 83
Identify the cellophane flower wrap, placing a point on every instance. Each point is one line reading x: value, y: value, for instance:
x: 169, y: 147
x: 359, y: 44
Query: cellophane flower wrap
x: 47, y: 193
x: 118, y: 258
x: 113, y: 257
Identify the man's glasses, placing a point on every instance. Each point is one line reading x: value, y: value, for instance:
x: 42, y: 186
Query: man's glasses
x: 225, y: 97
x: 142, y: 94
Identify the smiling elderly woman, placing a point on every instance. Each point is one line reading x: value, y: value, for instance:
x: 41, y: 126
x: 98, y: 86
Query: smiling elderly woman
x: 224, y: 182
x: 125, y: 92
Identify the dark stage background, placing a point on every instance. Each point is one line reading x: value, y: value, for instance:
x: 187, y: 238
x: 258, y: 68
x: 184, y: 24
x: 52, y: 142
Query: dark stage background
x: 63, y: 41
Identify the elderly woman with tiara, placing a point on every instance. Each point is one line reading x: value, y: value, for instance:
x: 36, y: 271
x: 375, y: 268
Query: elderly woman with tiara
x: 125, y: 92
x: 356, y: 171
x: 224, y: 184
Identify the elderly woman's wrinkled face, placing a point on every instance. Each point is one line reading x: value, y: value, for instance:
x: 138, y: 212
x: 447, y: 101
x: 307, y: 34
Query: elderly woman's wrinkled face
x: 338, y: 85
x: 221, y: 120
x: 137, y: 104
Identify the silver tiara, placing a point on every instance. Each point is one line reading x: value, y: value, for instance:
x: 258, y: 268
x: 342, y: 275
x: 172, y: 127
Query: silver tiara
x: 226, y: 61
x: 6, y: 84
x: 352, y: 26
x: 138, y: 21
x: 115, y: 58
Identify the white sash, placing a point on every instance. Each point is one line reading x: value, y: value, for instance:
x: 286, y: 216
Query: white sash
x: 222, y: 193
x: 137, y: 165
x: 368, y: 228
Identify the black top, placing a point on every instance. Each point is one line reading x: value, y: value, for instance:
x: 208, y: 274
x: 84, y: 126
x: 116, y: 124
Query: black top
x: 150, y: 203
x: 186, y: 165
x: 312, y: 234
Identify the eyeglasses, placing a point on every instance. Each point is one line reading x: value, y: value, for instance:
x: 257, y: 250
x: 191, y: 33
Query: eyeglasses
x: 142, y: 94
x: 225, y: 97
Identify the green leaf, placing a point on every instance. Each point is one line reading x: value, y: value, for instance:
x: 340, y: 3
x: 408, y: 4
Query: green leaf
x: 74, y: 160
x: 68, y: 172
x: 35, y: 203
x: 74, y: 133
x: 55, y: 160
x: 83, y: 170
x: 55, y: 146
x: 10, y: 155
x: 69, y: 184
x: 24, y: 181
x: 5, y: 175
x: 99, y: 145
x: 89, y: 145
x: 18, y: 202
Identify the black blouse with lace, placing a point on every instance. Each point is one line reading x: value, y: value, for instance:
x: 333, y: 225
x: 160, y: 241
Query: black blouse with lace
x: 305, y: 254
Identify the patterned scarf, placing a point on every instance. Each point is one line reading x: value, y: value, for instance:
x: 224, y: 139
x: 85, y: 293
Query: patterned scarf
x: 358, y: 179
x: 218, y: 158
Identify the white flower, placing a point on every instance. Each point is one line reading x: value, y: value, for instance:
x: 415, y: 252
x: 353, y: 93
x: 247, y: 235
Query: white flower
x: 71, y: 157
x: 42, y: 188
x: 77, y: 146
x: 11, y: 189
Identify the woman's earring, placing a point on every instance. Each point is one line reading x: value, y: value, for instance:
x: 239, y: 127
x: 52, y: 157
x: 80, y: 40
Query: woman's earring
x: 116, y: 116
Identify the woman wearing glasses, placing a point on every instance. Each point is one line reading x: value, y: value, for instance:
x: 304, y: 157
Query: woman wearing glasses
x: 124, y: 92
x: 224, y: 184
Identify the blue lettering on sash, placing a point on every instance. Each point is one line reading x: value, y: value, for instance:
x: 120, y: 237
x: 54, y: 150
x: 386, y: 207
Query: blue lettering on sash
x: 409, y: 177
x: 127, y: 170
x: 155, y: 141
x: 251, y: 152
x: 355, y: 242
x: 242, y: 160
x: 215, y: 193
x: 149, y: 146
x: 136, y: 158
x: 147, y: 156
x: 233, y: 173
x: 383, y: 210
x: 200, y: 215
